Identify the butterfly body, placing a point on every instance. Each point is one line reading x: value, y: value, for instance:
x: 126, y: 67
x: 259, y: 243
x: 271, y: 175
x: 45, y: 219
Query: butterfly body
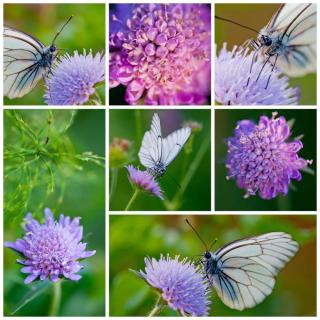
x: 156, y: 152
x: 158, y: 170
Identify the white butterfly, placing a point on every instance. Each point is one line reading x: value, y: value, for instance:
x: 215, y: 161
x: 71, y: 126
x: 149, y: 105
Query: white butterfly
x: 25, y: 61
x: 243, y: 272
x: 156, y: 152
x: 289, y: 39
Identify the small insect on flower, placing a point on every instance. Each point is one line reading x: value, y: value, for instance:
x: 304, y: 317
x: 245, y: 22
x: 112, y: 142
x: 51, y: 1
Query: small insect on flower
x: 243, y: 272
x: 180, y: 284
x: 51, y: 250
x: 156, y: 152
x: 161, y: 53
x: 25, y: 61
x: 73, y: 81
x: 233, y: 71
x: 260, y: 158
x: 289, y: 40
x: 144, y: 181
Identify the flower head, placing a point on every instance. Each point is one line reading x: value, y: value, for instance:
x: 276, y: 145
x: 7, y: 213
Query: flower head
x: 235, y: 84
x: 52, y: 249
x: 144, y: 181
x: 161, y: 53
x: 180, y: 283
x: 119, y: 152
x: 261, y: 159
x: 73, y: 80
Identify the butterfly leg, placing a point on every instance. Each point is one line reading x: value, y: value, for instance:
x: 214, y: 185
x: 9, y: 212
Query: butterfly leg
x: 273, y: 66
x: 263, y: 67
x: 255, y: 46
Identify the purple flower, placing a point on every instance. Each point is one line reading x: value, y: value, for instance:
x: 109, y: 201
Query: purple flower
x: 161, y: 53
x: 180, y: 283
x: 74, y: 79
x: 231, y: 81
x: 144, y: 181
x: 261, y: 159
x: 52, y: 249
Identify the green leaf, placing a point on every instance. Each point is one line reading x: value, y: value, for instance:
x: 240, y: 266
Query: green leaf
x: 35, y: 290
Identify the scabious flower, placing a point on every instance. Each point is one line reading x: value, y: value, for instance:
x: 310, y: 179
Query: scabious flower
x: 180, y: 283
x: 161, y: 53
x: 231, y: 81
x: 144, y: 181
x: 74, y: 79
x: 261, y: 159
x: 51, y: 250
x: 119, y: 152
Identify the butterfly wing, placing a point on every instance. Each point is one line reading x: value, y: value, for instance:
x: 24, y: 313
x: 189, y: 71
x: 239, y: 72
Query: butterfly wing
x: 297, y: 22
x: 21, y: 69
x: 248, y: 268
x: 173, y: 143
x: 150, y: 150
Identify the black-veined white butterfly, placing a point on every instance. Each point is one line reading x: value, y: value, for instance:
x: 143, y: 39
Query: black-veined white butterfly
x: 288, y: 41
x: 243, y: 272
x: 156, y: 152
x: 25, y: 61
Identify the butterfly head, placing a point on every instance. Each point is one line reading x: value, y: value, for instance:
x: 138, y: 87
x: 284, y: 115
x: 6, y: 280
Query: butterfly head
x: 207, y: 255
x: 265, y: 40
x: 52, y: 48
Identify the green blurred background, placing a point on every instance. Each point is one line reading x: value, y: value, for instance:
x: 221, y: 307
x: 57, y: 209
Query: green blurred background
x: 131, y: 125
x: 229, y: 197
x: 256, y: 16
x: 133, y: 237
x: 85, y: 31
x: 79, y: 190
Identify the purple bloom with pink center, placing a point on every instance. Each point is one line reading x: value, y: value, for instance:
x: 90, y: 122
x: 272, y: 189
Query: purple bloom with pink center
x: 161, y: 53
x: 144, y: 181
x: 51, y: 250
x: 262, y: 160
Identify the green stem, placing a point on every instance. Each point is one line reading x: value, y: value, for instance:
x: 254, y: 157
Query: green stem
x: 114, y: 180
x: 156, y: 309
x: 137, y: 114
x: 174, y: 203
x: 131, y: 201
x: 56, y: 299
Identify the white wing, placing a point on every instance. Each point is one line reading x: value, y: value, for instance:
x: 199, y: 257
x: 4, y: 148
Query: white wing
x: 248, y: 268
x: 173, y: 143
x: 20, y: 58
x: 150, y: 151
x: 298, y: 22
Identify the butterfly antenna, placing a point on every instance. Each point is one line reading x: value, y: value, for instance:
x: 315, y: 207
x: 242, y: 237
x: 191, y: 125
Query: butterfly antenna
x: 56, y: 36
x: 237, y: 24
x: 198, y: 235
x: 213, y: 243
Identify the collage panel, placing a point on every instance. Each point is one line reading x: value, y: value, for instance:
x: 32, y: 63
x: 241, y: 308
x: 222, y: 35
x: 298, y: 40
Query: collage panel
x: 171, y: 265
x: 54, y: 213
x: 265, y: 160
x: 160, y: 160
x: 160, y: 54
x: 54, y: 54
x: 266, y: 54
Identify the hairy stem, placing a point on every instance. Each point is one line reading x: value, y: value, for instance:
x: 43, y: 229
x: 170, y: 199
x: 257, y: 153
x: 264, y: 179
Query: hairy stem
x: 156, y: 309
x: 56, y: 299
x: 133, y: 198
x: 114, y: 181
